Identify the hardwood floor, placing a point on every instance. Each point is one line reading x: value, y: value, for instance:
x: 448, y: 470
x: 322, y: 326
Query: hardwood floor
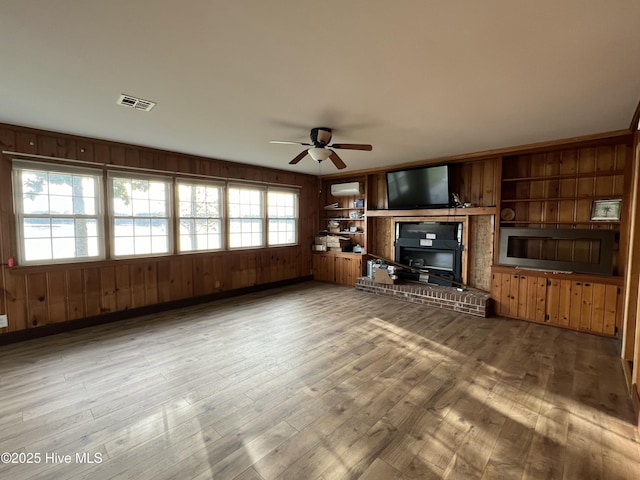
x: 317, y: 381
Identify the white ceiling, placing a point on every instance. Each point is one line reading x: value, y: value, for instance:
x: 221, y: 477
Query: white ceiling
x: 417, y: 79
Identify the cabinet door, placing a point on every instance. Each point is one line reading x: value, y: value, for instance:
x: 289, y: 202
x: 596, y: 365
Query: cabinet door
x: 604, y: 309
x: 558, y: 304
x: 519, y: 296
x: 348, y: 269
x: 324, y: 267
x: 501, y: 292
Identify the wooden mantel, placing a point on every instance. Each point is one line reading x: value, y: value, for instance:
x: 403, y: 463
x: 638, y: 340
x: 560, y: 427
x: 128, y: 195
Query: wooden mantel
x: 433, y: 212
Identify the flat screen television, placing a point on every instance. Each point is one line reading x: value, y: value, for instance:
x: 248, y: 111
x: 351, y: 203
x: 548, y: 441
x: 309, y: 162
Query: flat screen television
x: 424, y: 187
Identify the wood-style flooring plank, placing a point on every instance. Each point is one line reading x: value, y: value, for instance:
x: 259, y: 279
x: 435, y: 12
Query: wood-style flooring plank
x: 321, y: 382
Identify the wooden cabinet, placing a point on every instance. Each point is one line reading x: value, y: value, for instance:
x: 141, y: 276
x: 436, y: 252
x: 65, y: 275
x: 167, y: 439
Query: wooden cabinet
x: 579, y: 302
x: 342, y: 268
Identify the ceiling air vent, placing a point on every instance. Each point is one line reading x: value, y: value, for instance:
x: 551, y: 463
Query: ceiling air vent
x: 134, y: 102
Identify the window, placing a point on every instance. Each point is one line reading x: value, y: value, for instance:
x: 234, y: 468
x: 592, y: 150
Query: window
x: 63, y: 211
x: 59, y: 213
x: 200, y: 216
x: 140, y: 215
x: 282, y: 212
x: 246, y: 217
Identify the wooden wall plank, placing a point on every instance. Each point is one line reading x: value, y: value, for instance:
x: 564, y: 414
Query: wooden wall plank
x: 136, y: 276
x: 57, y: 296
x: 16, y: 289
x: 163, y: 270
x: 175, y: 276
x: 75, y: 294
x: 92, y: 292
x: 37, y: 309
x: 123, y: 287
x: 150, y: 283
x: 186, y: 265
x: 108, y: 299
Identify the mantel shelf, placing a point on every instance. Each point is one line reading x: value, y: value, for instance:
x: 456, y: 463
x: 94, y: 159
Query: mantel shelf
x: 433, y: 212
x: 327, y: 209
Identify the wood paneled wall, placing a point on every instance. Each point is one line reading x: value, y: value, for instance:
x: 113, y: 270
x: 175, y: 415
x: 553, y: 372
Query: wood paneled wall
x: 36, y: 296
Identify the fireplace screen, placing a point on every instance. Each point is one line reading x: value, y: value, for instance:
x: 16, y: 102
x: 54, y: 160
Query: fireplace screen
x: 421, y: 258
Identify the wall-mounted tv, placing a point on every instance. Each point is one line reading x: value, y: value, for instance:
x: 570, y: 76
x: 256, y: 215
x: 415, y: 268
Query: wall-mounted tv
x: 424, y: 187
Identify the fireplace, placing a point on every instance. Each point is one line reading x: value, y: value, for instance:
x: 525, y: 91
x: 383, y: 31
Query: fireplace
x: 430, y: 248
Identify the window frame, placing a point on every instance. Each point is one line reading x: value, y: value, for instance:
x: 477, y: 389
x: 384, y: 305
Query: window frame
x: 222, y: 218
x: 263, y: 214
x: 295, y: 218
x: 169, y: 210
x: 20, y: 165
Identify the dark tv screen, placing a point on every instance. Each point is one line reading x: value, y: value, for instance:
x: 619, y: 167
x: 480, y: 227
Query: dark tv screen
x: 426, y: 187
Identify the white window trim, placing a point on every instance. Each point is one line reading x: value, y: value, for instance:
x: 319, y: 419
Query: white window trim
x: 127, y: 175
x: 222, y: 218
x: 295, y: 218
x: 263, y: 214
x: 17, y: 166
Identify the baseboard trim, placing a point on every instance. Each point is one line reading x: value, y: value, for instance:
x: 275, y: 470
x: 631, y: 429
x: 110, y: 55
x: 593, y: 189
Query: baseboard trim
x: 55, y: 328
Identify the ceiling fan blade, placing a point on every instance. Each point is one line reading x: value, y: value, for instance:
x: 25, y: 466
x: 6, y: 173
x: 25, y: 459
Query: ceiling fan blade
x: 352, y: 146
x: 337, y: 161
x: 291, y: 143
x: 298, y: 158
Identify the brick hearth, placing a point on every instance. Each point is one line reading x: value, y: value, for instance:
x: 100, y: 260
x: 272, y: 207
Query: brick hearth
x: 469, y: 301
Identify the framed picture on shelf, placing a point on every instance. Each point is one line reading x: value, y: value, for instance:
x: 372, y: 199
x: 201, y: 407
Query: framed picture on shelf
x: 606, y: 210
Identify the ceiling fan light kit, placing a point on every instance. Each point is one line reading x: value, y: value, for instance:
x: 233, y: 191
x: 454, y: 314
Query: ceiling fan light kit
x: 321, y: 149
x: 319, y: 154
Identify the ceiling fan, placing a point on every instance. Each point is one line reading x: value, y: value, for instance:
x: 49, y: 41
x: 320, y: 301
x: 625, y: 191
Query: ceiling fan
x: 321, y: 150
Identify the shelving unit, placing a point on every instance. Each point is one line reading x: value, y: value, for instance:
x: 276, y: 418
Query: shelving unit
x: 557, y: 189
x: 342, y: 267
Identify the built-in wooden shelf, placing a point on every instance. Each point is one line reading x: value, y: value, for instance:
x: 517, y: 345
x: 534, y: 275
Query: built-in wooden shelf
x: 603, y: 173
x: 343, y: 218
x: 555, y: 199
x: 433, y: 212
x: 552, y: 222
x: 360, y: 209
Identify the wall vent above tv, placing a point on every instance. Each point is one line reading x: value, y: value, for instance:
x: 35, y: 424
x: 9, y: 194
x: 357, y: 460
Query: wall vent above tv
x: 344, y: 189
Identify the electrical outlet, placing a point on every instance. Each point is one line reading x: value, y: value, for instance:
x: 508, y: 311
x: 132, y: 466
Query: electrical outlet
x: 4, y: 321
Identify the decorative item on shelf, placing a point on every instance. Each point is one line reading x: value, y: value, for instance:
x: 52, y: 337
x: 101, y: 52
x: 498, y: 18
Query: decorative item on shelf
x: 606, y: 210
x: 353, y: 229
x: 333, y: 226
x: 358, y: 203
x: 507, y: 214
x: 354, y: 214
